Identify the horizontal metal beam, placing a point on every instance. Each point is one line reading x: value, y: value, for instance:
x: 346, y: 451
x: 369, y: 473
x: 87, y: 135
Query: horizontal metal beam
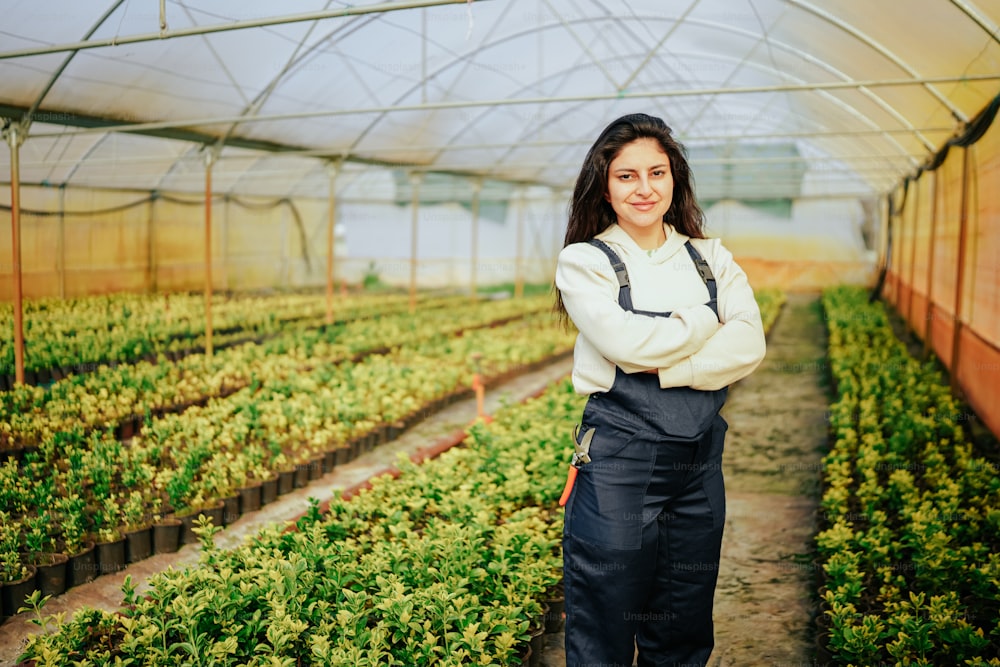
x: 193, y: 136
x: 221, y: 160
x: 440, y: 106
x: 197, y: 201
x: 225, y: 27
x: 575, y: 166
x: 688, y: 140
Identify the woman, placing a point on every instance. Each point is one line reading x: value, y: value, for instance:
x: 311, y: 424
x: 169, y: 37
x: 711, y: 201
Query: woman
x: 667, y: 322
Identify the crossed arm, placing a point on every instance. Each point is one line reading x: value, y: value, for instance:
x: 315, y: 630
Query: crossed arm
x: 690, y: 348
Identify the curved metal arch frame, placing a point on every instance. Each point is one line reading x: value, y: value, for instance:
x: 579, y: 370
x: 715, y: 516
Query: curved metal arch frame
x: 555, y: 25
x: 258, y: 101
x: 850, y: 110
x: 881, y: 50
x: 829, y: 68
x: 976, y: 16
x: 797, y: 3
x: 26, y: 119
x: 65, y: 63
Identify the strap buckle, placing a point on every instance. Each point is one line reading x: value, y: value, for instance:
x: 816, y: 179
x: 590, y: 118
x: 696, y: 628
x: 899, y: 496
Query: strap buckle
x: 622, y: 275
x: 704, y: 270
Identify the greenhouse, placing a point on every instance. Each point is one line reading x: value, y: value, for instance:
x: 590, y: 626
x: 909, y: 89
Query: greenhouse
x: 301, y: 339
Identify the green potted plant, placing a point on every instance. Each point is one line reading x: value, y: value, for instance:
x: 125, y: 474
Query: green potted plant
x: 137, y: 527
x: 166, y: 530
x: 81, y: 565
x: 50, y: 564
x: 108, y: 537
x: 17, y: 579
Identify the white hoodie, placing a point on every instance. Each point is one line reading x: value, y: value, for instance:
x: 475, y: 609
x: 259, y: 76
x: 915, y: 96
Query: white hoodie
x: 690, y: 348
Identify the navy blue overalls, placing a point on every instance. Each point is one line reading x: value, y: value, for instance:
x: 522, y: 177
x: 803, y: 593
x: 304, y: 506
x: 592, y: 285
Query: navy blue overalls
x: 644, y: 520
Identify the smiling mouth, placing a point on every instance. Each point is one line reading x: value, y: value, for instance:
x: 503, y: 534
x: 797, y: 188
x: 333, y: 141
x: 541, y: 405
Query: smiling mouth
x: 644, y: 206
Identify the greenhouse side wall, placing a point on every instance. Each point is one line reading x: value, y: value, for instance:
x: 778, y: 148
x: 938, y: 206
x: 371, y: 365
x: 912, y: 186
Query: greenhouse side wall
x: 923, y: 279
x: 817, y: 243
x: 80, y: 241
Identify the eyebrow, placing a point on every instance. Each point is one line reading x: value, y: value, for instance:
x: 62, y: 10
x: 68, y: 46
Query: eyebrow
x: 656, y: 166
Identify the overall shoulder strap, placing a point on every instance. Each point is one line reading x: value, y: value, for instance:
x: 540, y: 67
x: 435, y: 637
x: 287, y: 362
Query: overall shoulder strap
x: 624, y: 289
x: 705, y: 271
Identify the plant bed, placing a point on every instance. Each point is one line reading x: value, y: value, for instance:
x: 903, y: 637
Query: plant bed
x: 910, y: 535
x: 450, y: 562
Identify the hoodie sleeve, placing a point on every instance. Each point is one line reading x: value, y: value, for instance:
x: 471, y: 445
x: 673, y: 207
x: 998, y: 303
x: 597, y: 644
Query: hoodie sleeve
x: 632, y: 341
x: 737, y: 347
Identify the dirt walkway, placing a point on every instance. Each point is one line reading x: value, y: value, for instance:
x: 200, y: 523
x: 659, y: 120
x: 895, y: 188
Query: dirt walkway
x: 778, y: 420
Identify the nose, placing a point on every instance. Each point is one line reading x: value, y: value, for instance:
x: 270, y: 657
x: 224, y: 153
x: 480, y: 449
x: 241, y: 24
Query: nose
x: 642, y: 186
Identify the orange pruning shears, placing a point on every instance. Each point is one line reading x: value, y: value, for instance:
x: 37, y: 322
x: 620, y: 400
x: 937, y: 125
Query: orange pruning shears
x: 581, y: 455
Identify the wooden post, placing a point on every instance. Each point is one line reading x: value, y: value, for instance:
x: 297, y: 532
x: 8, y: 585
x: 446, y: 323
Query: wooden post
x: 331, y: 230
x: 15, y: 137
x: 416, y: 178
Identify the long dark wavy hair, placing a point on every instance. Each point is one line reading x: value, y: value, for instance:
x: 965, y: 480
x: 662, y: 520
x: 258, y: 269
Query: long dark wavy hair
x: 590, y: 213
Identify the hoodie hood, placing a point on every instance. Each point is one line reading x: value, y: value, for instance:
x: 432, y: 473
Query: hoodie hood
x: 621, y: 242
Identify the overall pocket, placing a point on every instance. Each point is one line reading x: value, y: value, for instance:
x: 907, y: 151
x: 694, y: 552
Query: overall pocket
x: 606, y: 507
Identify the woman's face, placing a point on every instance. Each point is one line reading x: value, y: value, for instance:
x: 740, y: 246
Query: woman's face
x: 640, y: 185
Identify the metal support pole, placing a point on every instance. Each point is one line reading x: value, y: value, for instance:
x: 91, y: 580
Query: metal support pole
x: 518, y: 262
x: 963, y: 226
x: 416, y: 179
x: 557, y: 228
x: 893, y: 248
x: 477, y: 187
x: 331, y: 227
x: 913, y: 253
x: 15, y: 137
x: 929, y: 315
x: 209, y: 161
x: 224, y: 245
x: 62, y: 241
x: 151, y: 243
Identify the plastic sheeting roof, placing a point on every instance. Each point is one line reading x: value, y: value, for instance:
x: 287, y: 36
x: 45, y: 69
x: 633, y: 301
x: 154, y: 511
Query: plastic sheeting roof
x: 773, y: 98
